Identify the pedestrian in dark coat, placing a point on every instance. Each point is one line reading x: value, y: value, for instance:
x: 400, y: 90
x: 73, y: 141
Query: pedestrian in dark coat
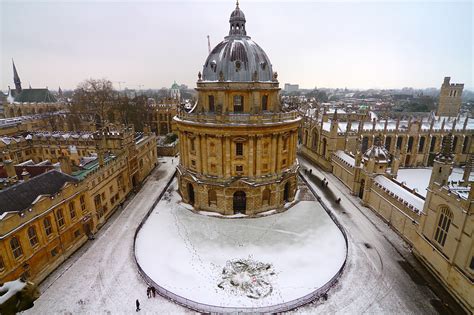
x: 137, y: 303
x: 153, y: 290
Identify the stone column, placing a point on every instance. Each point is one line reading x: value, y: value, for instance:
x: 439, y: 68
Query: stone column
x: 278, y: 153
x: 274, y: 152
x: 204, y: 156
x: 197, y: 147
x: 227, y: 162
x: 258, y: 167
x: 219, y: 155
x: 251, y: 156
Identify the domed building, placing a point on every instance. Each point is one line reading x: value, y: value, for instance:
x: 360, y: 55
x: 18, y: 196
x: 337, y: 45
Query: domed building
x: 238, y: 148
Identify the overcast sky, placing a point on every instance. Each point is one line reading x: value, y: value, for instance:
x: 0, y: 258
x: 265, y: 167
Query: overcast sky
x: 152, y: 43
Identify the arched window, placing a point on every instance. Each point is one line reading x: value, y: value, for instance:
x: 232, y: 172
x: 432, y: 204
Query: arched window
x: 433, y: 144
x: 266, y: 197
x: 264, y: 102
x: 399, y: 143
x: 465, y: 145
x: 410, y: 144
x: 47, y: 226
x: 324, y: 147
x: 365, y: 144
x: 306, y: 137
x: 16, y: 247
x: 314, y: 145
x: 421, y: 144
x: 238, y: 103
x: 388, y: 142
x: 455, y: 143
x: 212, y: 196
x: 211, y: 103
x: 445, y: 218
x: 32, y: 236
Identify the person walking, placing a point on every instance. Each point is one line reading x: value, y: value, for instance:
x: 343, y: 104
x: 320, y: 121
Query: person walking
x: 153, y: 290
x: 137, y: 303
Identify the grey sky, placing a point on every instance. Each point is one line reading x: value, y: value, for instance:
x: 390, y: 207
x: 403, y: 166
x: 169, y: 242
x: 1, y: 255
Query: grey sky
x: 325, y: 44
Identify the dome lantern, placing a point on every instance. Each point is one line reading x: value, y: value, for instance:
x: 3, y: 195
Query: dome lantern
x: 237, y: 22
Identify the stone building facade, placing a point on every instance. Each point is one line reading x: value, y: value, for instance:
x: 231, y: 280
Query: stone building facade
x: 438, y: 226
x: 44, y: 219
x: 450, y: 98
x: 414, y: 142
x: 238, y: 147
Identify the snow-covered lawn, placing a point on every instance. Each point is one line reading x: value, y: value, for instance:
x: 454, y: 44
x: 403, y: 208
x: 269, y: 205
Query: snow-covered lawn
x: 240, y: 262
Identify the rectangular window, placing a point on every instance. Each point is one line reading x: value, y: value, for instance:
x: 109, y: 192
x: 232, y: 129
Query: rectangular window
x: 83, y: 203
x: 211, y: 103
x: 265, y: 102
x: 2, y: 264
x: 193, y: 147
x: 72, y: 210
x: 47, y: 226
x: 16, y: 247
x: 238, y: 103
x: 239, y: 168
x: 32, y: 236
x: 239, y: 149
x: 60, y: 217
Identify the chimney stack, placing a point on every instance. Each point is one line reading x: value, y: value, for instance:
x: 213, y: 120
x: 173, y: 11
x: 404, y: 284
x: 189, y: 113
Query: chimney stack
x: 65, y: 163
x: 9, y: 168
x: 25, y: 175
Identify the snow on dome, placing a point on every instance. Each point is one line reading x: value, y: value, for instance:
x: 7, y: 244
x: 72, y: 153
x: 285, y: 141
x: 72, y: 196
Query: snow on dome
x: 377, y: 152
x: 237, y: 58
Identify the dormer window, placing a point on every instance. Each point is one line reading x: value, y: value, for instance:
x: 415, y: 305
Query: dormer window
x: 237, y: 65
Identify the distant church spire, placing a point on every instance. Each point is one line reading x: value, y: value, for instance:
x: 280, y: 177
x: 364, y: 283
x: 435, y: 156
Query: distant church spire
x: 16, y: 78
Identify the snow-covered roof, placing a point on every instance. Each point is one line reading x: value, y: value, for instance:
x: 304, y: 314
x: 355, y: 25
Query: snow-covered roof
x: 400, y: 193
x: 419, y: 178
x: 346, y: 158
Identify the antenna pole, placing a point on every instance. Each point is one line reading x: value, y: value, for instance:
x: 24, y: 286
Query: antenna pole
x: 208, y: 43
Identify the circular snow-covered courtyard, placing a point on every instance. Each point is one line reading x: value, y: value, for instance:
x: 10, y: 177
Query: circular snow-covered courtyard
x: 239, y: 263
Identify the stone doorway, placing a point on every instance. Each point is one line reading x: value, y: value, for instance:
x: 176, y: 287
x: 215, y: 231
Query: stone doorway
x: 240, y: 202
x: 286, y: 192
x: 191, y: 194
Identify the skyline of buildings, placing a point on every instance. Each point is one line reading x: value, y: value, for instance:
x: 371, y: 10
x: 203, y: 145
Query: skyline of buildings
x: 354, y: 45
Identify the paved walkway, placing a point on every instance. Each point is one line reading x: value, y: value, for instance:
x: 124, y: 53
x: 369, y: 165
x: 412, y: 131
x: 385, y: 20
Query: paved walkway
x: 382, y: 275
x: 102, y: 276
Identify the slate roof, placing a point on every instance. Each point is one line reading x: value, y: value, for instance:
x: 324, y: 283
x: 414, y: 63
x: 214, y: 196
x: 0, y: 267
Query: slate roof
x: 20, y: 196
x: 34, y: 96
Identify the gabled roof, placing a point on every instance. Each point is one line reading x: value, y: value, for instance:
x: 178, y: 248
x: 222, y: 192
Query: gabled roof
x: 33, y: 96
x: 22, y: 195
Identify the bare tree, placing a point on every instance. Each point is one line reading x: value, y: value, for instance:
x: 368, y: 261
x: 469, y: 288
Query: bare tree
x: 94, y: 96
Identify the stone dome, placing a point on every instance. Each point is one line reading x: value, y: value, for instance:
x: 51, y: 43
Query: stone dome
x: 377, y: 152
x: 237, y: 58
